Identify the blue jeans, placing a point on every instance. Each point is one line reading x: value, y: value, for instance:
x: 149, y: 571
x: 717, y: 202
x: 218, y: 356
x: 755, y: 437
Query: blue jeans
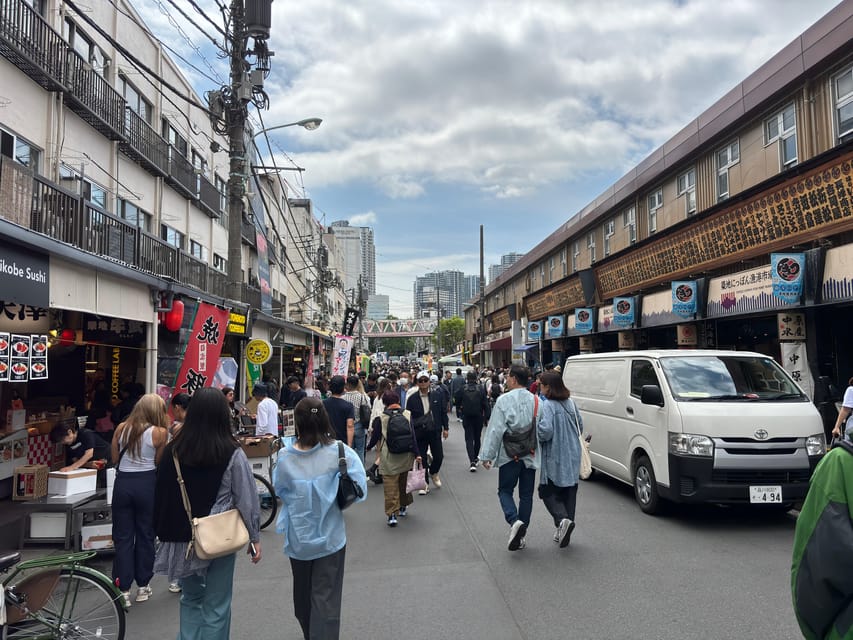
x: 359, y: 439
x: 511, y: 474
x: 206, y: 602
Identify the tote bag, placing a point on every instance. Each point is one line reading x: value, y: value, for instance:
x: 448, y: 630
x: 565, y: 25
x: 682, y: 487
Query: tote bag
x: 586, y: 462
x: 416, y: 478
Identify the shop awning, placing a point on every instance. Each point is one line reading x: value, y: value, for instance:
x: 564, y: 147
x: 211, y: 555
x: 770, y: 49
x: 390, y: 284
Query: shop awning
x: 474, y: 354
x: 524, y: 347
x: 501, y: 344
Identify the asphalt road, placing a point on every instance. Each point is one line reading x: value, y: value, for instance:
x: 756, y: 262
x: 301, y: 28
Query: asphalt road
x: 444, y: 572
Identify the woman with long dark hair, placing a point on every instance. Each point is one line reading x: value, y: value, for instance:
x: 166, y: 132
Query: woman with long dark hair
x: 137, y: 445
x: 217, y: 477
x: 306, y: 480
x: 559, y: 426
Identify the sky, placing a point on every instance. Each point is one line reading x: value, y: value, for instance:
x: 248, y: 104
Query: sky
x: 441, y: 116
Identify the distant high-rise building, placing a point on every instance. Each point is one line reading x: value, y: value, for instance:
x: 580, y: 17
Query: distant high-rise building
x: 359, y: 255
x: 441, y: 294
x: 507, y: 260
x: 378, y: 307
x: 472, y: 288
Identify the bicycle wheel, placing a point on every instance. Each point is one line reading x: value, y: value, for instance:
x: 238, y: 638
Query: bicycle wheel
x: 266, y: 496
x: 81, y: 606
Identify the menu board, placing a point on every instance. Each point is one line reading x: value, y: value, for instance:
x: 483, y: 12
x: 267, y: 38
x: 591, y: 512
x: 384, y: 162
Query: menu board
x: 23, y: 357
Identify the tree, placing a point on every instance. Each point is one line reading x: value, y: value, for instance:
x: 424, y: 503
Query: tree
x: 449, y: 333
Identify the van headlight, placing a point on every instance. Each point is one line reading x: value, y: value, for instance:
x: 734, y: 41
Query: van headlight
x: 816, y: 445
x: 688, y: 444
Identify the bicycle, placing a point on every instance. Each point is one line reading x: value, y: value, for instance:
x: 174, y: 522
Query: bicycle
x: 266, y: 493
x: 64, y: 599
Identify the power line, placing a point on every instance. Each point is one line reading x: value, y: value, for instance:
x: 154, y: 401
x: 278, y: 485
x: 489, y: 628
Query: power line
x: 195, y: 24
x: 206, y: 17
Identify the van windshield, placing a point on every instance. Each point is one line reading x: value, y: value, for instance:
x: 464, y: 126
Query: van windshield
x: 729, y: 378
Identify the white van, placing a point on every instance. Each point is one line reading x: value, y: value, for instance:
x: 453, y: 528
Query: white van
x: 697, y: 426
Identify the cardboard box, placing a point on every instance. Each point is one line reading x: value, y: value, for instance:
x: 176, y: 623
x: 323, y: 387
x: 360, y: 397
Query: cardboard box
x: 66, y: 483
x: 257, y: 447
x: 30, y: 482
x: 47, y: 525
x: 96, y: 536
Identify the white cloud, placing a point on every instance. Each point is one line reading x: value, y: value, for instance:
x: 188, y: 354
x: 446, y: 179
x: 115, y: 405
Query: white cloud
x: 363, y: 219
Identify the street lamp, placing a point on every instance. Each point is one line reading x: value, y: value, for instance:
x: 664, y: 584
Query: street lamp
x: 308, y: 123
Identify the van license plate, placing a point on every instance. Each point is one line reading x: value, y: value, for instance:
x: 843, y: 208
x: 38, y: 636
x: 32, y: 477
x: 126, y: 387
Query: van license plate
x: 765, y: 495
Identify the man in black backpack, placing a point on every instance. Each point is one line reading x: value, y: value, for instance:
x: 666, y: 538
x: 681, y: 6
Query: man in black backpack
x: 475, y: 414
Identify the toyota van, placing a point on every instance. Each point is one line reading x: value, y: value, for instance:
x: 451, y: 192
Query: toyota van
x: 697, y: 426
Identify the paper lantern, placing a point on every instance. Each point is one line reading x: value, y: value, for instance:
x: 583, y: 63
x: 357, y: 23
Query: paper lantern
x: 66, y: 338
x: 174, y: 318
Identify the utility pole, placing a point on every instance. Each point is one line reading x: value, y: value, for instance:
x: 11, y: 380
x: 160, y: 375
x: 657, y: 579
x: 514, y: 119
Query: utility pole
x: 482, y: 318
x: 361, y: 304
x: 236, y: 113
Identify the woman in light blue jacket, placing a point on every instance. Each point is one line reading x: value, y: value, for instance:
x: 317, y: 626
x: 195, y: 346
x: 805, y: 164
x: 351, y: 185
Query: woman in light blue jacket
x: 558, y: 430
x: 306, y: 481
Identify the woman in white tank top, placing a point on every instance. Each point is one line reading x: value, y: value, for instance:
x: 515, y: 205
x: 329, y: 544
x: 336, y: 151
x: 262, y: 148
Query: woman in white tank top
x: 136, y: 448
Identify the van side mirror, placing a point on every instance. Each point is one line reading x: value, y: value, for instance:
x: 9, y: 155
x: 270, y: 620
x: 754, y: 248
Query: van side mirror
x: 651, y: 394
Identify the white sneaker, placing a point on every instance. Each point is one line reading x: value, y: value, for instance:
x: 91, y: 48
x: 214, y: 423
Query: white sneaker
x: 557, y: 536
x: 423, y: 492
x: 473, y: 468
x: 522, y: 544
x: 436, y: 481
x: 516, y: 535
x: 565, y: 531
x: 125, y: 595
x: 175, y: 587
x: 143, y: 593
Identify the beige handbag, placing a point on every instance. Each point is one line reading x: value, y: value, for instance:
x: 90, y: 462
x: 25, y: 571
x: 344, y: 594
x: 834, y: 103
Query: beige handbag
x: 216, y: 535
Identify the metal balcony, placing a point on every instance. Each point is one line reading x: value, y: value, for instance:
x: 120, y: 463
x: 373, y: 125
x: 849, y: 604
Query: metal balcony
x: 192, y: 271
x: 92, y: 98
x: 29, y: 43
x: 144, y: 145
x: 208, y: 197
x: 248, y: 233
x: 157, y: 257
x: 181, y: 174
x: 217, y: 283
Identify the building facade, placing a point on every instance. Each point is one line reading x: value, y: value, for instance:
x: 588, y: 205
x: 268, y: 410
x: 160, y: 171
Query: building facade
x: 507, y: 260
x: 378, y: 307
x: 359, y: 255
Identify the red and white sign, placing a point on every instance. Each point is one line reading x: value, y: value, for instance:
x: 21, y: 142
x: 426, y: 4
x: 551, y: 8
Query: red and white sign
x: 202, y: 354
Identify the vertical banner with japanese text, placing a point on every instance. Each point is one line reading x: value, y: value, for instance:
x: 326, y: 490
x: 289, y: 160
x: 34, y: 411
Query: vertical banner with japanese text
x: 201, y: 356
x: 795, y: 361
x: 786, y: 271
x: 341, y: 355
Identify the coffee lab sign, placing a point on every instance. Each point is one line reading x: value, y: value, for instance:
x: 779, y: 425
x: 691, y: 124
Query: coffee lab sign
x: 24, y: 277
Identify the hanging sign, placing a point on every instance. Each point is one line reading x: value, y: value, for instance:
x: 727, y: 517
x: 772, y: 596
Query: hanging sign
x: 350, y: 319
x: 556, y: 326
x: 24, y: 276
x: 534, y: 330
x: 23, y: 357
x: 795, y: 362
x: 341, y: 355
x: 238, y: 322
x: 792, y: 326
x: 583, y: 320
x: 258, y: 351
x: 623, y: 312
x: 787, y: 275
x: 684, y: 298
x: 201, y: 356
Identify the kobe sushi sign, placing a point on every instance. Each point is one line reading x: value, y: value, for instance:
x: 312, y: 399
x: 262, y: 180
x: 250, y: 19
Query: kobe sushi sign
x: 24, y: 277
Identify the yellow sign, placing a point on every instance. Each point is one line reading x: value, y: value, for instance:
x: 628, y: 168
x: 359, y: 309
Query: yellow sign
x: 237, y: 323
x: 258, y: 351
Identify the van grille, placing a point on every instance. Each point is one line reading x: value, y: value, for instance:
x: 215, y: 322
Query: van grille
x: 759, y: 452
x: 770, y: 476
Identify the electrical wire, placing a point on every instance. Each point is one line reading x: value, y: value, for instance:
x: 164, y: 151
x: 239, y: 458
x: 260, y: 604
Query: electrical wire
x: 206, y: 17
x: 195, y: 24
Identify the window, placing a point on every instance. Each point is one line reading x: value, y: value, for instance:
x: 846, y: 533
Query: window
x: 642, y: 373
x: 198, y: 250
x: 134, y: 215
x: 727, y: 157
x: 551, y: 266
x: 576, y: 252
x: 608, y: 231
x: 171, y: 236
x: 843, y: 86
x: 19, y: 150
x: 563, y: 262
x: 686, y: 185
x: 542, y: 273
x: 629, y: 221
x: 91, y: 191
x: 783, y: 127
x: 86, y: 48
x: 174, y: 138
x: 135, y: 101
x: 655, y: 203
x: 222, y: 189
x: 590, y: 245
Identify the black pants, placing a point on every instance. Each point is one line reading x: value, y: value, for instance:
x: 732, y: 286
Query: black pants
x: 560, y: 501
x: 473, y: 427
x: 431, y: 440
x: 317, y: 588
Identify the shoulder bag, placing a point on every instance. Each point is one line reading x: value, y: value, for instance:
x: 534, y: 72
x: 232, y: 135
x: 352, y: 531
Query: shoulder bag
x: 521, y: 443
x: 364, y: 411
x: 216, y: 535
x: 348, y: 489
x: 586, y: 462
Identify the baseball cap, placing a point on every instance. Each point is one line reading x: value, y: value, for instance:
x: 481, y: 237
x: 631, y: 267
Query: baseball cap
x: 421, y: 375
x: 433, y: 378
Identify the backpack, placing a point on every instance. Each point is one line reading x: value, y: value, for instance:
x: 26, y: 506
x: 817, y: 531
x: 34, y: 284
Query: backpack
x: 472, y: 400
x: 495, y: 391
x: 519, y: 443
x: 398, y: 434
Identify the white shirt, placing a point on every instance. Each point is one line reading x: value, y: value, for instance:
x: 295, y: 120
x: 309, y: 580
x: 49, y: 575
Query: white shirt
x: 267, y: 418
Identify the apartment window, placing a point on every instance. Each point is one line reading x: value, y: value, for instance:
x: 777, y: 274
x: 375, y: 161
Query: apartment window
x: 551, y: 266
x: 563, y: 261
x: 197, y: 250
x: 222, y: 189
x: 134, y: 215
x: 19, y: 150
x: 727, y: 157
x: 172, y: 236
x: 608, y: 231
x: 174, y: 138
x: 686, y: 185
x: 843, y: 85
x: 783, y: 127
x: 576, y: 252
x: 542, y: 273
x: 86, y: 48
x: 533, y: 278
x: 590, y: 245
x: 655, y: 204
x: 629, y: 221
x: 91, y: 191
x: 135, y: 101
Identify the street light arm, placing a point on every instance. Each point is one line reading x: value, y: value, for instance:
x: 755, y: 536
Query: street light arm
x: 308, y: 123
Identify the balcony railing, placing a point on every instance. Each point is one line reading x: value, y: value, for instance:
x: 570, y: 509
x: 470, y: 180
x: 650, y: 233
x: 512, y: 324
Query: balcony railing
x: 108, y: 236
x: 144, y: 145
x: 31, y: 44
x: 193, y: 271
x: 92, y: 98
x: 158, y: 257
x: 181, y: 174
x: 217, y: 283
x: 248, y: 233
x: 251, y: 296
x: 208, y: 197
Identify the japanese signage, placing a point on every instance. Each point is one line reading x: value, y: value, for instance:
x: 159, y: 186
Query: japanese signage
x: 23, y: 318
x: 350, y: 319
x: 560, y: 297
x: 24, y: 276
x: 202, y: 353
x: 556, y: 326
x: 742, y: 292
x: 686, y: 335
x: 258, y: 351
x: 341, y: 355
x: 23, y: 357
x: 113, y: 330
x: 684, y: 297
x: 795, y: 362
x: 812, y: 204
x: 787, y: 275
x: 656, y: 310
x: 501, y: 319
x: 837, y: 274
x: 792, y: 326
x: 534, y: 330
x: 624, y: 311
x: 605, y: 318
x: 238, y: 322
x: 583, y: 320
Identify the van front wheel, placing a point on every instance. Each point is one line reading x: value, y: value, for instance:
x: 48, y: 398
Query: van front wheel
x: 646, y: 486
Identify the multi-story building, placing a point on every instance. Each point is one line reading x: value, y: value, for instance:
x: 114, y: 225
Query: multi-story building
x: 439, y: 294
x: 360, y: 255
x: 507, y: 260
x: 378, y: 307
x: 471, y: 288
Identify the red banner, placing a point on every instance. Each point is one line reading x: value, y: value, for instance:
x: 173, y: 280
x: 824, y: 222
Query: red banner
x: 202, y: 354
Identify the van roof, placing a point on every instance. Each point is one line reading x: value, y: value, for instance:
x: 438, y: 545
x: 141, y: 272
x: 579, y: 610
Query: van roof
x: 662, y: 353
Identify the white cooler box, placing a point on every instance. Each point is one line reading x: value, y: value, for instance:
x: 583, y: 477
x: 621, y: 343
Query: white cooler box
x: 96, y: 536
x: 66, y: 483
x: 47, y: 525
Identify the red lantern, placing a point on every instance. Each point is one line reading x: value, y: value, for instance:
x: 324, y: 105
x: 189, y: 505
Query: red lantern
x: 175, y: 317
x: 66, y: 338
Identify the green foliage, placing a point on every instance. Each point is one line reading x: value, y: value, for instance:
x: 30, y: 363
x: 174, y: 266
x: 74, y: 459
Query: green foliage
x: 449, y: 333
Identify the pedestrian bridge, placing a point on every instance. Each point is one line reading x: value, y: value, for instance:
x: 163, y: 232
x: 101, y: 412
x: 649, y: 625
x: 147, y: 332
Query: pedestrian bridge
x: 422, y: 328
